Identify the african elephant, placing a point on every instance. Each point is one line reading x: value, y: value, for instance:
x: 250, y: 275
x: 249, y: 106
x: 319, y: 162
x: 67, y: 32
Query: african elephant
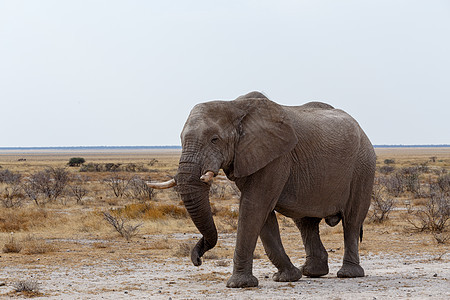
x: 306, y: 162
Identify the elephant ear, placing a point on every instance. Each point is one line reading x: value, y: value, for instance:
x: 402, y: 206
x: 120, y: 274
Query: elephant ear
x: 265, y: 133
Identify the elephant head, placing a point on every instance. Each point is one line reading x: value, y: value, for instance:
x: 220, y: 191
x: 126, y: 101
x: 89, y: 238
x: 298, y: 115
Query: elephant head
x: 240, y: 137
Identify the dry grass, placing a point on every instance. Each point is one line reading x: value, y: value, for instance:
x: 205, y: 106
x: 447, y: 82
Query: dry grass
x: 151, y: 211
x: 33, y: 245
x: 23, y: 219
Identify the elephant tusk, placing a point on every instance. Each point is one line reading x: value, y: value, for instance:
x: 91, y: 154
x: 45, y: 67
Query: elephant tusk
x: 162, y: 185
x: 207, y: 177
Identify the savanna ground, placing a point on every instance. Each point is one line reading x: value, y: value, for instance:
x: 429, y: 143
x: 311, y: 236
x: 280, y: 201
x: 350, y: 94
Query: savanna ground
x: 56, y: 242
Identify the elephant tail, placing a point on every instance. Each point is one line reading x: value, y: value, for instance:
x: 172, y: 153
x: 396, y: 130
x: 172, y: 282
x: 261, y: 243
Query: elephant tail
x: 361, y: 232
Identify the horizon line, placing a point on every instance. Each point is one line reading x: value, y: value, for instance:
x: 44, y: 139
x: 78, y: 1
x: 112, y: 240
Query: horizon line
x: 179, y: 147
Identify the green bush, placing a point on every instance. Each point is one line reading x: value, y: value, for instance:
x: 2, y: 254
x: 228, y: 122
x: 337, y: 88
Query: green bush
x: 76, y: 161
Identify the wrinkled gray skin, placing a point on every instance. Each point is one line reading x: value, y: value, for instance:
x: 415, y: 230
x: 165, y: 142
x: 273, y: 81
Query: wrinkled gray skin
x: 306, y: 162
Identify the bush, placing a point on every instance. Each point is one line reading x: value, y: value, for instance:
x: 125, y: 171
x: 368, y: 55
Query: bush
x: 77, y: 188
x: 443, y: 182
x: 138, y: 189
x: 381, y: 205
x: 113, y: 167
x: 118, y: 183
x: 434, y: 217
x: 27, y: 286
x: 120, y: 225
x: 6, y: 176
x: 49, y: 183
x: 11, y: 195
x: 389, y: 161
x: 92, y: 167
x: 393, y: 184
x: 386, y: 169
x: 76, y: 161
x: 12, y: 246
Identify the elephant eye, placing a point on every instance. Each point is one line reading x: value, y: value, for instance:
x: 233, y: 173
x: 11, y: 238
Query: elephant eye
x: 214, y: 140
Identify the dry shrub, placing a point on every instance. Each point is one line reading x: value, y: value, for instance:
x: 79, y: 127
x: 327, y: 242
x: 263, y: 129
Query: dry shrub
x: 441, y: 237
x: 382, y: 205
x: 120, y: 225
x: 12, y: 246
x: 28, y: 287
x: 433, y: 217
x: 118, y: 183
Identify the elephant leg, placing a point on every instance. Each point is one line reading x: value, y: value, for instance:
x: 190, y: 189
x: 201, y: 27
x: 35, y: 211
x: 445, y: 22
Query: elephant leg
x: 260, y: 192
x: 316, y: 264
x: 270, y: 237
x: 350, y: 267
x: 250, y: 223
x: 359, y: 203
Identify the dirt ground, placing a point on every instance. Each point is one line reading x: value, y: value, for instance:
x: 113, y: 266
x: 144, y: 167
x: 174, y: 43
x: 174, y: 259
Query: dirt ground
x: 83, y: 269
x: 88, y: 260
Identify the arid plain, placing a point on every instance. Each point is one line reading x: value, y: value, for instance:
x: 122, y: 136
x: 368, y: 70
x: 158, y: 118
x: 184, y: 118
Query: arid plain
x: 60, y: 244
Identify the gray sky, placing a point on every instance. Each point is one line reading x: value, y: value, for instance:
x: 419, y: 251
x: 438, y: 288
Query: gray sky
x: 128, y: 72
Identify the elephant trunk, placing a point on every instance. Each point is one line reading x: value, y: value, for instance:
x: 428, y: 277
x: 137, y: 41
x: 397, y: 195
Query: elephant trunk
x: 195, y: 195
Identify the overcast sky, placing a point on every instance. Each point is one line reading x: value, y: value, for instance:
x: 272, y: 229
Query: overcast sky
x: 126, y: 73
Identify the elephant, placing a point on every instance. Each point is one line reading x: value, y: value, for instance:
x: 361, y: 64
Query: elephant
x: 307, y: 162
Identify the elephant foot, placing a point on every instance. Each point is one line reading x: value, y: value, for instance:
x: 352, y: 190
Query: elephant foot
x: 290, y: 275
x: 350, y: 271
x: 242, y: 281
x: 315, y: 267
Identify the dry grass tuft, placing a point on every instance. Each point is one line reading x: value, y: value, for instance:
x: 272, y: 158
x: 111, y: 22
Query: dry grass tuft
x: 32, y: 245
x: 12, y: 246
x: 27, y: 288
